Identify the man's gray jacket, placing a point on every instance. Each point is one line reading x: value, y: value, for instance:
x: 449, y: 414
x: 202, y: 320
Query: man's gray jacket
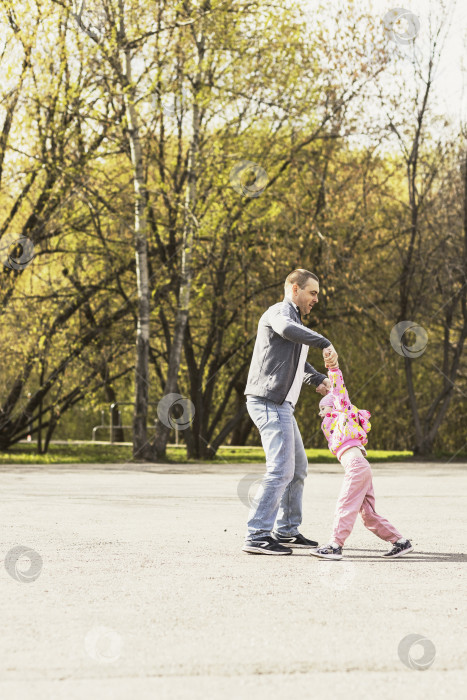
x: 277, y: 351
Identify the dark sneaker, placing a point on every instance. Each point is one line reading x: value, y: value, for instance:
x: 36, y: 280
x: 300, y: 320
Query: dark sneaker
x: 328, y: 552
x: 294, y: 540
x: 265, y: 545
x: 399, y: 549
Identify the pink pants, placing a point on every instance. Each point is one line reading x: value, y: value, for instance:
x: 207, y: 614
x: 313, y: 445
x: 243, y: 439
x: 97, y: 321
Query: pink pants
x: 357, y: 495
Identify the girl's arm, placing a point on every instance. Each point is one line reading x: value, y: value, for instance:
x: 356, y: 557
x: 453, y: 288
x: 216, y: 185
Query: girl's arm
x: 339, y: 390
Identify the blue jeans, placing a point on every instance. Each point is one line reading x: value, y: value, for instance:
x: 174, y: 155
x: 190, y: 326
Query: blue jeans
x: 286, y: 468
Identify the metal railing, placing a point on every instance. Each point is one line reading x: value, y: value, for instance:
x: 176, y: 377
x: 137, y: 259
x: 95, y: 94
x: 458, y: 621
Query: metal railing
x: 115, y: 424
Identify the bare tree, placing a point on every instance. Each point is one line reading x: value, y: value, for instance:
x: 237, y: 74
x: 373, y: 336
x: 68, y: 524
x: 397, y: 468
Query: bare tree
x: 190, y: 224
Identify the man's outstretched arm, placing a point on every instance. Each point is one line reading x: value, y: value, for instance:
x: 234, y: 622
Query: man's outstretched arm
x: 289, y: 329
x: 312, y: 376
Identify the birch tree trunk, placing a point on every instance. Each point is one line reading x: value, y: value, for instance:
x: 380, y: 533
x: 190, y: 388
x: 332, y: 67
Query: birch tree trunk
x: 186, y: 273
x: 140, y: 440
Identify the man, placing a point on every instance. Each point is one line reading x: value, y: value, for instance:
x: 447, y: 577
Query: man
x: 278, y: 369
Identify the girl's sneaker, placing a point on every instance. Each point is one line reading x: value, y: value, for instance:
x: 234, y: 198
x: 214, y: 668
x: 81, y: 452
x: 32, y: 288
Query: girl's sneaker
x: 399, y: 549
x: 327, y: 552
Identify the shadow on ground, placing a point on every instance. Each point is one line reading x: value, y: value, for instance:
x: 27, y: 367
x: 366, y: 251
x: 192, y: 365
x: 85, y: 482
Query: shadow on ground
x: 413, y: 556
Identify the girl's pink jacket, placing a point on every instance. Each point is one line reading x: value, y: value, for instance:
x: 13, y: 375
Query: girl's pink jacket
x: 344, y: 426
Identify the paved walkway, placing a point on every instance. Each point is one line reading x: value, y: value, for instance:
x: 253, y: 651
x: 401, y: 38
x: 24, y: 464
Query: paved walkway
x: 135, y: 587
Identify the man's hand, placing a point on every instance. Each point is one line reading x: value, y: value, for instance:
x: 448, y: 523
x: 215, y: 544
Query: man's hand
x: 330, y: 357
x: 324, y: 387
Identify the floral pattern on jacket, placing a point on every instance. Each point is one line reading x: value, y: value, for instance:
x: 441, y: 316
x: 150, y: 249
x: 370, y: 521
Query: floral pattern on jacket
x: 345, y: 422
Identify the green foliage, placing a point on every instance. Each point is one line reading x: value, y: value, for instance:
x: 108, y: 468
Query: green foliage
x: 120, y: 454
x: 294, y: 96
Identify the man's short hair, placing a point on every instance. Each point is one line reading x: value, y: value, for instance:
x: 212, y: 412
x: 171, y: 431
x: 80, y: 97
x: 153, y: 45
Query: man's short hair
x: 299, y: 277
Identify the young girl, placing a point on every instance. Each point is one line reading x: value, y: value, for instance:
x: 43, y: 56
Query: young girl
x: 346, y: 427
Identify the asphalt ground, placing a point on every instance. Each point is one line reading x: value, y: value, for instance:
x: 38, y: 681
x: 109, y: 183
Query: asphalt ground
x: 132, y: 584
